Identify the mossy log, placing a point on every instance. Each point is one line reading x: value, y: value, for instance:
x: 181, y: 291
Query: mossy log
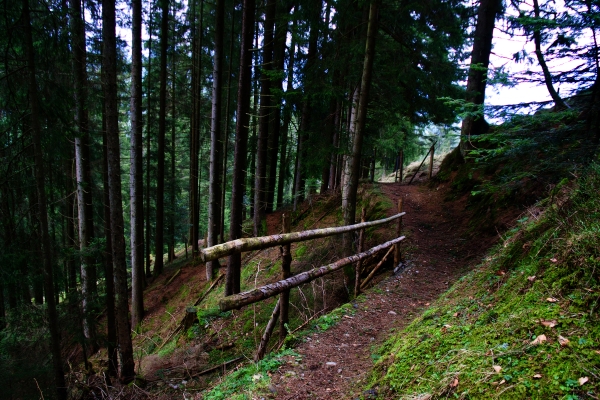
x: 263, y: 242
x: 273, y: 289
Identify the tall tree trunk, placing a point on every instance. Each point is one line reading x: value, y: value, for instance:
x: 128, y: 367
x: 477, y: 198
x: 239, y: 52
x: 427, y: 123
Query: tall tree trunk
x: 287, y: 117
x: 260, y: 178
x: 300, y: 178
x: 232, y: 285
x: 111, y: 327
x: 36, y: 130
x: 216, y: 145
x: 195, y: 133
x: 279, y: 42
x: 349, y: 205
x: 83, y: 178
x: 136, y: 176
x: 148, y: 244
x: 537, y: 39
x: 480, y: 59
x: 109, y: 65
x: 173, y: 185
x: 226, y: 135
x: 162, y: 116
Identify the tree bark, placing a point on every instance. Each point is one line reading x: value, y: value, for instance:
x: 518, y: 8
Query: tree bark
x: 148, y: 240
x: 109, y: 276
x: 109, y: 65
x: 195, y: 133
x: 537, y: 39
x: 216, y: 144
x: 287, y: 117
x: 354, y: 160
x: 135, y: 172
x: 260, y: 178
x: 480, y: 59
x: 83, y: 176
x: 232, y: 284
x: 36, y: 130
x: 226, y: 134
x: 162, y: 116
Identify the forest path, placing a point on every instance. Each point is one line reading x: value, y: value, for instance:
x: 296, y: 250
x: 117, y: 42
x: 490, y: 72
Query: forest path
x: 436, y: 252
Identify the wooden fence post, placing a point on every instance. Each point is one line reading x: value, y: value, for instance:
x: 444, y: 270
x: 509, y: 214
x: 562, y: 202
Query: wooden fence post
x: 361, y: 245
x: 431, y: 160
x: 286, y: 262
x: 397, y: 254
x: 401, y: 164
x: 264, y: 340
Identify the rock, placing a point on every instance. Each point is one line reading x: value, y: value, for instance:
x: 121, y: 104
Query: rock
x: 392, y: 312
x: 331, y: 364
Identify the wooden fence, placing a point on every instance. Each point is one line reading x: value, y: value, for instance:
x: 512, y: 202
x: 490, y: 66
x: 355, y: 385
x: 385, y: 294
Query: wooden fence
x: 288, y: 282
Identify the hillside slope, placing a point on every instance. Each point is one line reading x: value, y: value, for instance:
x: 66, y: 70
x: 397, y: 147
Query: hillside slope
x: 524, y: 324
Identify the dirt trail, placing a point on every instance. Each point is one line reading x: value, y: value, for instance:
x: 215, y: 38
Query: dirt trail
x: 335, y: 363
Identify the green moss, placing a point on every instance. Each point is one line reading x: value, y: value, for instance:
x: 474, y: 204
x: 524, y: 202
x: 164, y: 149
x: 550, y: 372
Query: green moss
x: 250, y: 381
x: 478, y: 341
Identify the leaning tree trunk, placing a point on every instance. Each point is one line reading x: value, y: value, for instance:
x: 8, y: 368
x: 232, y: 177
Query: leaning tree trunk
x: 216, y: 145
x: 109, y: 65
x: 361, y: 116
x: 160, y: 168
x: 36, y: 131
x: 537, y: 39
x: 232, y: 284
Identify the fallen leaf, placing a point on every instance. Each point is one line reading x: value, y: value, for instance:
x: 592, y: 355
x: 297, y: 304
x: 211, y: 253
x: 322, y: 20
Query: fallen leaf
x: 454, y: 383
x: 583, y: 380
x: 497, y: 368
x: 426, y: 304
x: 531, y: 278
x: 455, y: 314
x: 537, y: 376
x: 563, y: 341
x: 502, y: 381
x: 549, y: 324
x: 554, y: 260
x: 539, y: 340
x: 551, y: 300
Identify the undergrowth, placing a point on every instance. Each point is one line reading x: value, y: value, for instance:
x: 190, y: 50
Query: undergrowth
x: 251, y: 380
x: 524, y: 324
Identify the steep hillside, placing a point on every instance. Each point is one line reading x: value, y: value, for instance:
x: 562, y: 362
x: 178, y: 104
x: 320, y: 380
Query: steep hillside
x: 524, y: 324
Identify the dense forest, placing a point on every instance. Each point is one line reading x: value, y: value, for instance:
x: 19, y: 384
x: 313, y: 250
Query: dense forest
x: 132, y: 130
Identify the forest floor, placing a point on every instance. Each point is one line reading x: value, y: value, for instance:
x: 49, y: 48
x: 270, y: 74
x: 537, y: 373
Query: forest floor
x: 439, y: 249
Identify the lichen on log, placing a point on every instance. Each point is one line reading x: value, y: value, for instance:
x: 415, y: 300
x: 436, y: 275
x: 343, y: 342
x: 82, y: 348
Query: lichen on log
x: 263, y: 242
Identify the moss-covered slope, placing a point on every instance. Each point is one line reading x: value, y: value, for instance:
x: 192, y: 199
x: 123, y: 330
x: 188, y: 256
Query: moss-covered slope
x: 524, y: 324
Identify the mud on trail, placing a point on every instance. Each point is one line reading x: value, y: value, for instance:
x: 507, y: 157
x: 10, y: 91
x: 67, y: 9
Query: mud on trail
x: 437, y: 251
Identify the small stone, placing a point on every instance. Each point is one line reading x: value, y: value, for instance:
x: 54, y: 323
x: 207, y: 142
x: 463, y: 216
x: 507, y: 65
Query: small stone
x: 330, y: 364
x: 339, y: 370
x: 392, y: 313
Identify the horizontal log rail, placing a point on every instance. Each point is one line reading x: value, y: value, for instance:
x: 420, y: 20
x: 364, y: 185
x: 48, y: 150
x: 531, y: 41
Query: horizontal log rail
x: 273, y: 289
x: 263, y: 242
